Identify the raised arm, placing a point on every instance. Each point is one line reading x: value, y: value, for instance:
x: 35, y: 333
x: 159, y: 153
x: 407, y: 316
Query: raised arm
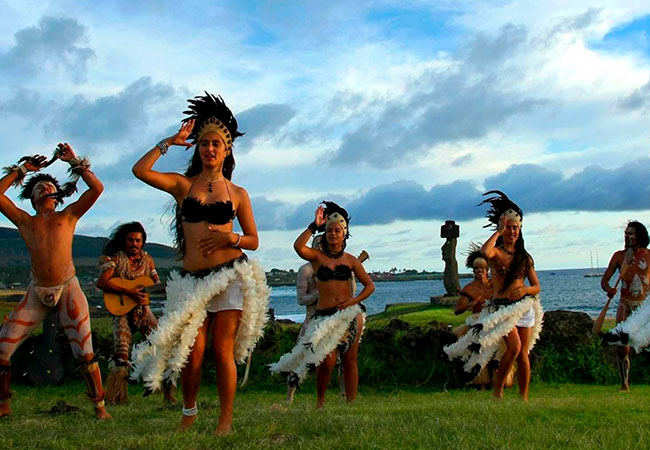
x: 168, y: 182
x: 300, y: 246
x: 82, y: 168
x: 14, y: 173
x: 489, y: 249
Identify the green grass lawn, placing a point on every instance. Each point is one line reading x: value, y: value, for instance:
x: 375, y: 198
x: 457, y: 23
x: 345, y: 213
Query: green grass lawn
x: 566, y: 416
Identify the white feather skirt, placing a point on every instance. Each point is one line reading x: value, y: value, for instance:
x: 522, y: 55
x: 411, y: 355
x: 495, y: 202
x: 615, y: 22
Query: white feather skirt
x: 637, y: 327
x: 322, y: 336
x: 165, y: 352
x: 494, y: 323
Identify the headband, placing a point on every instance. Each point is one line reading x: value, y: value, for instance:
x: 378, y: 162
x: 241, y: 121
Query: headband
x: 337, y: 218
x: 512, y: 216
x: 479, y: 260
x: 214, y: 125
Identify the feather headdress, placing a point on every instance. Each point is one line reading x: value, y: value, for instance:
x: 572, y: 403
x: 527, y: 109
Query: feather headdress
x: 211, y: 114
x: 500, y: 204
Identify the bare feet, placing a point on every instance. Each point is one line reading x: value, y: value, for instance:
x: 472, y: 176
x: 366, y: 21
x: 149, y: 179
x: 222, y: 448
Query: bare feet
x: 101, y: 413
x: 224, y: 427
x: 624, y: 388
x: 320, y: 404
x: 4, y: 409
x: 168, y: 399
x: 186, y: 423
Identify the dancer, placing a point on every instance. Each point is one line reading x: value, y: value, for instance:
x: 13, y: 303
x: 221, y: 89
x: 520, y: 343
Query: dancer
x: 48, y: 236
x: 338, y: 322
x: 124, y: 260
x: 632, y: 319
x: 307, y: 294
x: 472, y: 297
x: 219, y: 287
x: 513, y: 315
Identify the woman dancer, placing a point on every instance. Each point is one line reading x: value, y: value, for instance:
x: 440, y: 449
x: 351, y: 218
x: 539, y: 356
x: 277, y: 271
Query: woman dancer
x: 338, y: 322
x: 513, y: 315
x: 218, y: 287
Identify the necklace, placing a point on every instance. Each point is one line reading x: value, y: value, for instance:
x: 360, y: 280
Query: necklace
x: 333, y: 255
x: 511, y: 253
x: 210, y: 182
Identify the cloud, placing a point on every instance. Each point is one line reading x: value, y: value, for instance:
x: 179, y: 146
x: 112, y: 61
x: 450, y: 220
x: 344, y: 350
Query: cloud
x: 262, y: 121
x: 462, y: 160
x: 533, y: 187
x: 110, y: 118
x: 26, y: 103
x: 446, y: 104
x: 55, y: 44
x: 639, y: 99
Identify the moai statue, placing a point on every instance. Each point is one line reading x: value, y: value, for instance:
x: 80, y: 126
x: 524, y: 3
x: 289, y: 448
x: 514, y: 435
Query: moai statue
x: 450, y: 231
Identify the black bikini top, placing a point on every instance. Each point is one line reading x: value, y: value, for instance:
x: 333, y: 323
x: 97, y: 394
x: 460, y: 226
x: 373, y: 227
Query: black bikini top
x: 194, y: 210
x: 339, y: 273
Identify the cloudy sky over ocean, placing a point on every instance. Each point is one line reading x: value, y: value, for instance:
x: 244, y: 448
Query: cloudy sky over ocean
x: 404, y: 112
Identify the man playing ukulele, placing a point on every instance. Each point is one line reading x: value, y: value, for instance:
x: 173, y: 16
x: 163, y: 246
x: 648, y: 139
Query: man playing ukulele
x: 124, y: 258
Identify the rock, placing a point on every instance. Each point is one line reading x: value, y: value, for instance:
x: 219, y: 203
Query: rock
x: 397, y: 324
x: 566, y: 329
x: 445, y: 300
x: 439, y: 326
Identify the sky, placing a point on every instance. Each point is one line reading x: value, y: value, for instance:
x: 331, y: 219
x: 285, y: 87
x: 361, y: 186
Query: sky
x: 403, y: 112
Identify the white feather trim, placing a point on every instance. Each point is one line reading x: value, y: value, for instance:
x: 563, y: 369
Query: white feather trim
x: 496, y: 325
x: 165, y: 352
x: 322, y: 336
x: 637, y: 326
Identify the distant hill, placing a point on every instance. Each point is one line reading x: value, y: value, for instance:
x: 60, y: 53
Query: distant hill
x: 85, y: 250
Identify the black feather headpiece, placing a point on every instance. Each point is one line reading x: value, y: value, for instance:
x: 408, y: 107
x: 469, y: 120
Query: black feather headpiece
x: 27, y: 191
x: 499, y: 204
x: 332, y: 208
x: 474, y: 252
x: 204, y: 109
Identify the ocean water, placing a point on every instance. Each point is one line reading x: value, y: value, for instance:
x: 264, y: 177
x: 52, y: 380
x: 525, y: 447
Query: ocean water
x: 561, y: 289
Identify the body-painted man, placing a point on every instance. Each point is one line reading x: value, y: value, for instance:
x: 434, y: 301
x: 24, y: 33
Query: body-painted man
x: 633, y: 264
x: 48, y: 236
x: 125, y: 258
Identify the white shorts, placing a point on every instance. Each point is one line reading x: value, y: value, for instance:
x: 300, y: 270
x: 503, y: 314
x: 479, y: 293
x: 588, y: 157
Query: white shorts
x: 527, y: 320
x: 231, y: 298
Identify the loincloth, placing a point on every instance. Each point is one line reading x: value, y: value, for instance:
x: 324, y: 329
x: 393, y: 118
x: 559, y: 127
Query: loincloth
x: 49, y: 296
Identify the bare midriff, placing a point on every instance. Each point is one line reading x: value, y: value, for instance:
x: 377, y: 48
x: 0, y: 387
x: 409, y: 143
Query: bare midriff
x: 195, y: 260
x: 49, y: 242
x: 332, y: 293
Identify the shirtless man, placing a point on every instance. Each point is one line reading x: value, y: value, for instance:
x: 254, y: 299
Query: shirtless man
x: 125, y: 258
x: 48, y: 236
x: 474, y: 294
x: 635, y: 283
x: 472, y: 297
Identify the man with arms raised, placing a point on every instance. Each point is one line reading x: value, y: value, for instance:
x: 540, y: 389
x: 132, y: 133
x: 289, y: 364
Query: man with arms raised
x: 125, y: 259
x: 633, y: 264
x: 48, y: 236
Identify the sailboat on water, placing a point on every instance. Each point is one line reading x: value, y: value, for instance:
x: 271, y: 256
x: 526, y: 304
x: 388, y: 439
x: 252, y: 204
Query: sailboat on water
x: 592, y: 272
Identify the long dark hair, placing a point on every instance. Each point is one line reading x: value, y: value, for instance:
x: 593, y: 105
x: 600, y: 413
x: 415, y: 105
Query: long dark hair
x: 520, y: 261
x: 499, y: 204
x: 117, y: 240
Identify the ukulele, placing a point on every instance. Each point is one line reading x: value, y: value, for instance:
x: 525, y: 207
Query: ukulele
x: 120, y: 304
